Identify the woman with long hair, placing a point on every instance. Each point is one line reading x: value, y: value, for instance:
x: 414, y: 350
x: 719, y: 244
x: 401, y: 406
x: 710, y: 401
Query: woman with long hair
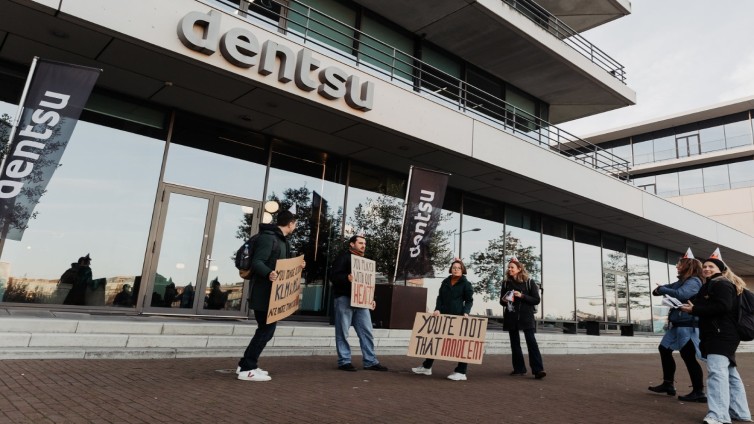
x: 716, y: 305
x: 520, y: 295
x: 683, y: 331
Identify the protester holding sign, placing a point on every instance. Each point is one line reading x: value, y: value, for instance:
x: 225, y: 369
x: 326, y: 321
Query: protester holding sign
x: 263, y: 274
x: 454, y: 298
x: 342, y: 277
x: 519, y: 316
x: 716, y: 305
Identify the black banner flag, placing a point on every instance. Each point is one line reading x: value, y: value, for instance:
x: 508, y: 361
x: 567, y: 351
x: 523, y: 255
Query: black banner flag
x: 426, y: 193
x: 52, y: 103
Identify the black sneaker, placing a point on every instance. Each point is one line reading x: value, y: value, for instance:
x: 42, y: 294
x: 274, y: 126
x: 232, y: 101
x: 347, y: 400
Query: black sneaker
x: 540, y: 375
x: 517, y: 373
x: 347, y: 367
x: 376, y: 367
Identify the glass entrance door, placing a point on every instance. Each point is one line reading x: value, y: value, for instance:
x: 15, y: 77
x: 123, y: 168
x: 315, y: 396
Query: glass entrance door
x: 192, y: 269
x: 616, y: 296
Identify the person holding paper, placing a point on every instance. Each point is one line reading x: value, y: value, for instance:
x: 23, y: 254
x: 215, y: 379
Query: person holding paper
x: 520, y: 296
x: 454, y: 298
x: 346, y: 315
x: 683, y: 331
x: 716, y: 305
x: 263, y: 274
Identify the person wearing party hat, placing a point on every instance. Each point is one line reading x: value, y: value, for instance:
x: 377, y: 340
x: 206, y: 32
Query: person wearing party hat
x: 683, y: 331
x: 716, y: 307
x: 520, y: 296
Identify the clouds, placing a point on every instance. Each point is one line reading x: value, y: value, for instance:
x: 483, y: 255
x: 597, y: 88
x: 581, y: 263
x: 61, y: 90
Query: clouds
x: 679, y: 55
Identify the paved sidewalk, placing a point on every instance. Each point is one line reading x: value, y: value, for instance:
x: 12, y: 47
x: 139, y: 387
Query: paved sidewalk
x: 577, y: 389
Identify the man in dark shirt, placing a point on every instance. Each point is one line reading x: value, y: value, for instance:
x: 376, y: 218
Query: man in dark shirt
x: 345, y: 315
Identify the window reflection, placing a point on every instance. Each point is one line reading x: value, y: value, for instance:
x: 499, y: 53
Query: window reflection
x: 95, y: 203
x: 557, y: 270
x: 589, y: 297
x: 309, y: 184
x: 615, y: 279
x: 658, y: 275
x: 639, y: 290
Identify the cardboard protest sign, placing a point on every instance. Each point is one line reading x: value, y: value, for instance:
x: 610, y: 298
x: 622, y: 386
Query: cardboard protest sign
x: 286, y: 290
x: 448, y: 337
x: 362, y: 286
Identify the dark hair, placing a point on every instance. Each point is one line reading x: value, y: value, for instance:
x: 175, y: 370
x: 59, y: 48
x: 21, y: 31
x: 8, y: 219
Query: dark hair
x: 354, y: 238
x: 285, y: 218
x: 688, y: 267
x: 463, y: 267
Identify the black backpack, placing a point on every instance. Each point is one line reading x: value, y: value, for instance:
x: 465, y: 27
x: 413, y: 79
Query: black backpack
x: 745, y: 321
x: 245, y: 253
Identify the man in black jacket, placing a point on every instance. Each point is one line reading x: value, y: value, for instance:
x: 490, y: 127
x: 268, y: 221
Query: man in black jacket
x: 345, y: 315
x: 271, y: 245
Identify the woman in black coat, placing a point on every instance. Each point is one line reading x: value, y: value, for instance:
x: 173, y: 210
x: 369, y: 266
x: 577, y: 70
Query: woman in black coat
x: 520, y: 295
x: 454, y: 298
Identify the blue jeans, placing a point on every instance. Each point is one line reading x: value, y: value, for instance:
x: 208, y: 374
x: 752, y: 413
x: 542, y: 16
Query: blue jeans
x: 535, y: 358
x: 345, y: 316
x: 726, y: 396
x: 264, y: 334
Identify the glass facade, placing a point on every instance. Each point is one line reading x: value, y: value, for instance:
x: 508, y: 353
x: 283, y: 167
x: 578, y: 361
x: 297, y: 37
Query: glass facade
x: 706, y: 179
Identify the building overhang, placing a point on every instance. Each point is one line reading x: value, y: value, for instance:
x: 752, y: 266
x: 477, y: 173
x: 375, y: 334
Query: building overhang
x: 499, y: 39
x: 147, y: 61
x: 582, y: 15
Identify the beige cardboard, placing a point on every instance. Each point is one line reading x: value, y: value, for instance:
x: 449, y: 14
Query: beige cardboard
x: 362, y: 286
x: 286, y: 290
x: 448, y: 337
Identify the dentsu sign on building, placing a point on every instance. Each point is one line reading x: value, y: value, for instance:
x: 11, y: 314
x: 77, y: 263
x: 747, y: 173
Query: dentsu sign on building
x: 241, y: 48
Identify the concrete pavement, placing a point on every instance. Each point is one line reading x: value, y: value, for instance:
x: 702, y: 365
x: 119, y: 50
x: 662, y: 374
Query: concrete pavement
x: 600, y: 388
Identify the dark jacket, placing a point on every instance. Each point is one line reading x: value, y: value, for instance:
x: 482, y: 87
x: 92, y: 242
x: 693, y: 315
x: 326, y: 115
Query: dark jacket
x: 522, y: 317
x: 263, y: 263
x: 341, y: 267
x: 455, y: 300
x: 683, y: 291
x: 715, y: 306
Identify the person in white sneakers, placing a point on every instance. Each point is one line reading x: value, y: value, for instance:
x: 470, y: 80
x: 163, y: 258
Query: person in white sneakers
x: 454, y: 298
x: 271, y: 245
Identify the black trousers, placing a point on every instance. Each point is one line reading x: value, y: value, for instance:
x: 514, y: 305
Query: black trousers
x: 264, y: 334
x: 688, y: 354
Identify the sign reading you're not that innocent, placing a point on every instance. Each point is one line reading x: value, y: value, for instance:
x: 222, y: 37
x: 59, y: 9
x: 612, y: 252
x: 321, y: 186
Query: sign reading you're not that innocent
x: 448, y: 337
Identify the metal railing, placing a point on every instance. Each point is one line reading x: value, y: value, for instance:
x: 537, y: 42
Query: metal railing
x: 573, y: 39
x: 402, y: 69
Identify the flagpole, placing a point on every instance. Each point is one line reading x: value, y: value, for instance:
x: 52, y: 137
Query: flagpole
x: 17, y: 119
x: 6, y: 223
x: 403, y: 221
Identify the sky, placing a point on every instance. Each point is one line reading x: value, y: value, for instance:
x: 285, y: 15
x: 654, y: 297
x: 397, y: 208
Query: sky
x: 679, y: 55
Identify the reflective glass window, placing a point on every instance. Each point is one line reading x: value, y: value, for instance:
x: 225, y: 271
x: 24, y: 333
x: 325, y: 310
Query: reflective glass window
x: 643, y: 152
x: 302, y: 181
x: 216, y: 157
x: 327, y: 21
x: 588, y: 272
x: 716, y: 178
x: 639, y: 290
x: 658, y: 275
x: 485, y: 94
x: 741, y: 174
x: 386, y: 48
x: 483, y: 250
x: 557, y: 270
x: 712, y: 139
x: 615, y: 278
x: 667, y: 184
x: 523, y: 239
x: 690, y: 182
x: 738, y: 134
x: 440, y: 73
x: 664, y: 148
x: 98, y: 203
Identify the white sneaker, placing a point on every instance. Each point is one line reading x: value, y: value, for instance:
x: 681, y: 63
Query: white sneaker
x: 254, y: 375
x: 457, y: 376
x: 421, y: 370
x: 710, y: 420
x: 259, y: 370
